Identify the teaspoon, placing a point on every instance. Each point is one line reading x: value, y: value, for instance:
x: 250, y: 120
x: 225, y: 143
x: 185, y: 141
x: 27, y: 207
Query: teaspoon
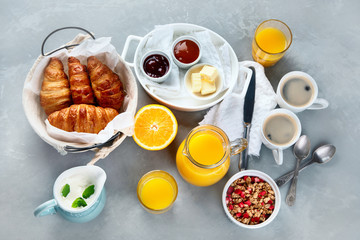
x: 321, y: 155
x: 301, y: 151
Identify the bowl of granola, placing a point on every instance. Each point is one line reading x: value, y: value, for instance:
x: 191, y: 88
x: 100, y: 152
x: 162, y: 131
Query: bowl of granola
x: 251, y: 199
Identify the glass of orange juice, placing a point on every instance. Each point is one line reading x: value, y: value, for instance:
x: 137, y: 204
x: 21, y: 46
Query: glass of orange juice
x: 203, y: 158
x: 157, y: 191
x: 271, y: 40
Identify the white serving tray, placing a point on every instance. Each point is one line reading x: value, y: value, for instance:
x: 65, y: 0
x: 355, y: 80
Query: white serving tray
x: 187, y: 104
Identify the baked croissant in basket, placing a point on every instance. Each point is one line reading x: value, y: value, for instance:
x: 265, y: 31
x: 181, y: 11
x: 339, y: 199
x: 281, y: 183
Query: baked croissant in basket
x: 81, y: 91
x: 55, y: 91
x: 107, y: 86
x: 82, y: 118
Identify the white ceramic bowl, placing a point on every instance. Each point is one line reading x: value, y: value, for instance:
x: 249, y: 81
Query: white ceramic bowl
x: 181, y: 64
x: 156, y: 52
x: 266, y: 178
x: 187, y: 81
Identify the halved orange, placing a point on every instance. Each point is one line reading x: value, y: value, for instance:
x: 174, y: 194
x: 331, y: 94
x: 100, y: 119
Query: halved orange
x: 155, y: 127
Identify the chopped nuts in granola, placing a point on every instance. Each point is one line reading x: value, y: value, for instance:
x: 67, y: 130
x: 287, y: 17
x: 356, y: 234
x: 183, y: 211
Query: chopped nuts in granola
x: 250, y: 200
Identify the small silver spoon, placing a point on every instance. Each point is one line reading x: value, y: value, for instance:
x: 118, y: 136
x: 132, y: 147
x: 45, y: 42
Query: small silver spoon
x: 301, y: 151
x: 321, y: 155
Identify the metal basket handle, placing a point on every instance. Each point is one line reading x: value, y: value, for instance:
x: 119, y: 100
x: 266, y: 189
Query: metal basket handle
x: 109, y: 142
x: 67, y: 46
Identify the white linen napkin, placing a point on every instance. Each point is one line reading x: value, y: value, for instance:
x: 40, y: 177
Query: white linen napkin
x: 228, y: 114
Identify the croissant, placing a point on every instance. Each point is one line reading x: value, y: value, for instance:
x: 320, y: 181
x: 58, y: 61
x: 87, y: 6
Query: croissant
x: 55, y: 91
x: 107, y: 86
x: 82, y: 118
x: 80, y: 88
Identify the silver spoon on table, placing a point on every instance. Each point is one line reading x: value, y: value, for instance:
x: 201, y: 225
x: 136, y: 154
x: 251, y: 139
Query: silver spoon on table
x: 321, y: 155
x: 301, y: 151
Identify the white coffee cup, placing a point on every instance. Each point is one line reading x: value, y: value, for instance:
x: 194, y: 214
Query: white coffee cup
x: 298, y: 91
x: 283, y: 137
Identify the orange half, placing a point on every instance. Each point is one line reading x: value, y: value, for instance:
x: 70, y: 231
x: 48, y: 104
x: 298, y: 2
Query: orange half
x: 155, y: 127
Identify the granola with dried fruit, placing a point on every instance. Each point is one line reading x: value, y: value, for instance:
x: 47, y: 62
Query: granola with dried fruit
x: 250, y: 200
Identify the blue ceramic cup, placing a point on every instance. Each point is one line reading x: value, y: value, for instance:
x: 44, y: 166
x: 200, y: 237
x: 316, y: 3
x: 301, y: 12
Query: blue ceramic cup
x: 93, y: 174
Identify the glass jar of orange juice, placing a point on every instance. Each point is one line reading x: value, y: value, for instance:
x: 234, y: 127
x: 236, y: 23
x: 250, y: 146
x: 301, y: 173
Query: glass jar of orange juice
x: 203, y: 158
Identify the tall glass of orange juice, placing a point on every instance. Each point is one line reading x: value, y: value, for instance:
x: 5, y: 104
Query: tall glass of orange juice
x: 157, y: 191
x: 271, y: 40
x: 203, y: 158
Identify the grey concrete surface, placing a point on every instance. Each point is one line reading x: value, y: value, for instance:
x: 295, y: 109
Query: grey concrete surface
x: 326, y: 45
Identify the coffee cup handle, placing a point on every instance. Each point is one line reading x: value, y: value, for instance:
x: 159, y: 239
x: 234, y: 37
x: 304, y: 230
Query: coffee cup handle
x: 46, y: 208
x: 278, y: 156
x: 319, y: 103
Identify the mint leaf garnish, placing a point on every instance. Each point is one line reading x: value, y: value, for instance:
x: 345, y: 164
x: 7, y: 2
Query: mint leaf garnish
x: 79, y: 202
x: 88, y: 191
x: 65, y: 190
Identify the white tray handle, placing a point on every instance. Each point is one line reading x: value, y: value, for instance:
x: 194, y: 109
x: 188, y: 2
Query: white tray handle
x: 247, y: 80
x: 129, y: 39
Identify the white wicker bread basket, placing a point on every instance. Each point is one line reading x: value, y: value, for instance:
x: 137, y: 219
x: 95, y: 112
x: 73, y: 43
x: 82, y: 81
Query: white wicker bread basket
x: 36, y: 115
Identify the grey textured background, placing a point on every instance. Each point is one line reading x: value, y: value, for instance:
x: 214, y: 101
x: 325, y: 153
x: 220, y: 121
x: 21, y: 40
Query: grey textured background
x: 325, y: 45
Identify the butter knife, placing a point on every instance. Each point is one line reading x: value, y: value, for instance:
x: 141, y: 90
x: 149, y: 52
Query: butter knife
x: 248, y: 114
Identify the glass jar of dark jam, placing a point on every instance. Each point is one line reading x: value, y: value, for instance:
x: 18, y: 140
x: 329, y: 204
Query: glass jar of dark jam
x: 156, y: 65
x: 186, y: 51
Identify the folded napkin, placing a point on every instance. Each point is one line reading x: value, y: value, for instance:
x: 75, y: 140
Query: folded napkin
x: 228, y: 114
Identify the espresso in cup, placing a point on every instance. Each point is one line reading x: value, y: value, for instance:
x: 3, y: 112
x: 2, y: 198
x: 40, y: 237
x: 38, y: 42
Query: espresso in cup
x: 298, y: 91
x: 280, y: 129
